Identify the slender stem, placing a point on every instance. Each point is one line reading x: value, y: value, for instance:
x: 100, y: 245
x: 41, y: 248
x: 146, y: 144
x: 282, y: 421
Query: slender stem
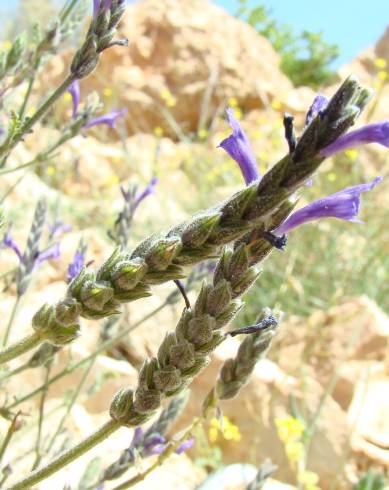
x: 7, y: 193
x: 11, y: 319
x: 14, y: 372
x: 69, y: 369
x: 20, y: 347
x: 8, y: 437
x: 66, y: 11
x: 38, y: 455
x: 8, y: 146
x: 70, y: 404
x: 28, y: 91
x: 68, y: 456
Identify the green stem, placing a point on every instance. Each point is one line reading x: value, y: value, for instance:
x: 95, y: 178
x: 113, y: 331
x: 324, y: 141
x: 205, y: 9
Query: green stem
x: 70, y: 404
x: 11, y: 320
x: 38, y: 455
x: 8, y: 146
x: 104, y: 346
x: 20, y: 347
x: 28, y: 91
x: 7, y: 193
x: 68, y: 456
x: 14, y: 372
x: 66, y: 11
x: 8, y: 437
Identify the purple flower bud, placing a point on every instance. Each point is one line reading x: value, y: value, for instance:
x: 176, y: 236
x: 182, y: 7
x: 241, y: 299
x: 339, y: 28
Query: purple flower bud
x: 96, y: 8
x: 371, y: 133
x: 137, y: 437
x: 150, y: 189
x: 107, y: 5
x: 238, y: 147
x: 74, y: 268
x: 343, y: 205
x: 51, y: 253
x: 109, y: 119
x: 319, y: 103
x: 185, y: 445
x: 9, y: 242
x: 59, y: 227
x: 74, y: 91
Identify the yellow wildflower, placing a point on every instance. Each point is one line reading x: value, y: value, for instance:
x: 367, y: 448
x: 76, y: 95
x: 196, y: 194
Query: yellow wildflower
x: 226, y: 428
x: 67, y: 97
x: 238, y: 113
x: 294, y: 451
x: 331, y: 176
x: 202, y: 134
x: 289, y: 428
x: 308, y: 479
x: 276, y: 104
x: 6, y: 44
x: 112, y: 180
x: 168, y: 98
x: 351, y: 154
x: 107, y: 92
x: 158, y: 131
x: 382, y: 75
x: 233, y: 102
x: 51, y: 170
x: 380, y: 63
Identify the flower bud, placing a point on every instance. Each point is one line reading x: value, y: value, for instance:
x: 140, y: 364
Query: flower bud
x: 127, y: 273
x: 182, y: 355
x: 45, y: 324
x: 147, y: 401
x: 200, y: 329
x: 219, y: 298
x: 161, y: 253
x: 95, y: 295
x: 197, y: 231
x: 67, y: 311
x: 167, y: 379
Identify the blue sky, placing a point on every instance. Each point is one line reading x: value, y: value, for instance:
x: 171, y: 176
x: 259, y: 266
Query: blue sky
x: 352, y: 24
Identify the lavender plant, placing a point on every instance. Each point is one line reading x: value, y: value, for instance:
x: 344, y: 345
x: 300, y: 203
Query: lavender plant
x: 238, y: 233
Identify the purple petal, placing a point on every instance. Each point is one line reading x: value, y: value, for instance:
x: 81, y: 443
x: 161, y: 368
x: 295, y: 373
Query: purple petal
x: 109, y: 119
x: 156, y: 450
x: 185, y: 445
x: 58, y: 228
x: 150, y: 189
x: 9, y: 242
x: 74, y: 91
x: 343, y: 205
x: 74, y: 268
x: 137, y: 437
x: 51, y: 253
x: 107, y: 5
x: 371, y: 133
x: 96, y: 8
x: 319, y: 103
x: 238, y: 147
x: 152, y: 441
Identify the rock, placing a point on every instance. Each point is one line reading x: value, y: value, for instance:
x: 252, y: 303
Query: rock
x: 355, y: 334
x: 186, y: 59
x: 368, y: 416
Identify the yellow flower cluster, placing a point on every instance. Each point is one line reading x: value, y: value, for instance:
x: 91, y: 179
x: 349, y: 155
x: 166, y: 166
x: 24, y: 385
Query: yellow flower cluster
x: 233, y: 103
x: 290, y: 431
x: 168, y: 98
x: 225, y: 429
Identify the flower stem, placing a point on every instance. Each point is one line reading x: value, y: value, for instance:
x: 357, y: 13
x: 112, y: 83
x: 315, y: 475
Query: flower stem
x: 8, y: 146
x: 38, y: 448
x: 11, y: 320
x: 68, y: 456
x: 20, y: 347
x: 69, y: 369
x: 8, y: 436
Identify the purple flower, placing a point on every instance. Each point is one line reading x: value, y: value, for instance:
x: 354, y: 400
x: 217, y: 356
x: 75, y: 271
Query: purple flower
x: 109, y: 119
x: 185, y: 445
x: 96, y: 8
x: 319, y: 103
x: 51, y: 253
x: 343, y: 205
x: 150, y: 189
x: 74, y: 268
x: 238, y: 147
x: 9, y: 242
x: 74, y: 91
x: 59, y: 227
x: 371, y: 133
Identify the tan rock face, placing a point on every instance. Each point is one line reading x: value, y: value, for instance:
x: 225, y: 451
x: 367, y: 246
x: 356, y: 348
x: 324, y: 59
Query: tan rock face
x: 186, y: 58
